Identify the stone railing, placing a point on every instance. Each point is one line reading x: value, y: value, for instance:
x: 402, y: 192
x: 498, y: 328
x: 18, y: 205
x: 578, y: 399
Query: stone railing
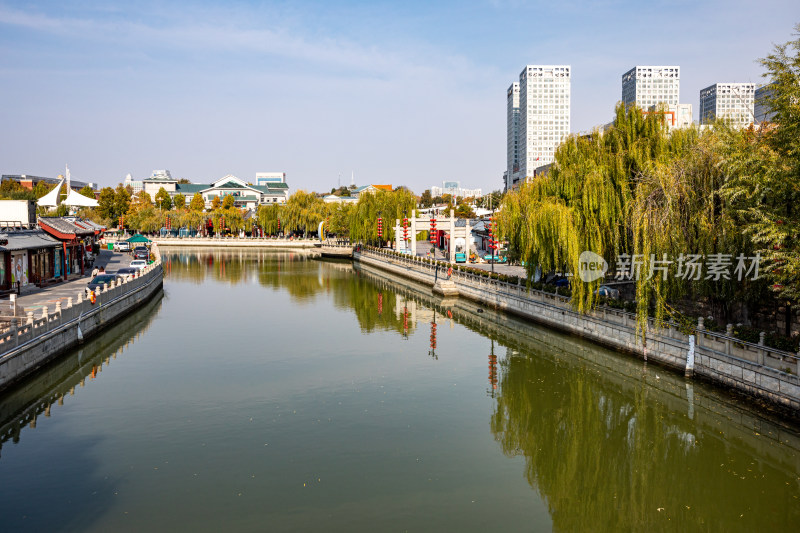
x: 21, y: 331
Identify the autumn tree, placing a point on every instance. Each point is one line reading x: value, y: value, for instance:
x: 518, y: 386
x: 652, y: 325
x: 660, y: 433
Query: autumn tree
x: 197, y: 203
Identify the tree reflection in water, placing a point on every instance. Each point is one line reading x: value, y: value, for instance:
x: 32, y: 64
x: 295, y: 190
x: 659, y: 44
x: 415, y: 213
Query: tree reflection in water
x: 617, y: 458
x: 609, y: 446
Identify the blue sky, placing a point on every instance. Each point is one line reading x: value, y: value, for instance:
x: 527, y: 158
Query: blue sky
x: 408, y: 93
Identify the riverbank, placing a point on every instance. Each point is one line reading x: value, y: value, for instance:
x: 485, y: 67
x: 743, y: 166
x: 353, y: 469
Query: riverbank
x: 754, y: 370
x: 29, y: 342
x: 235, y: 242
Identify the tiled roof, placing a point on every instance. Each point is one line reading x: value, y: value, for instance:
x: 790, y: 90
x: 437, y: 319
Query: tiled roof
x: 190, y: 188
x: 28, y: 239
x: 64, y: 226
x: 271, y: 188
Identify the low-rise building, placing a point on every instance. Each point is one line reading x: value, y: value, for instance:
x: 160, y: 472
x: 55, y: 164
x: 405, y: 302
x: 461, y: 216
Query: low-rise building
x: 453, y: 188
x: 358, y: 191
x: 75, y: 236
x: 28, y: 256
x: 246, y: 196
x: 29, y: 182
x: 332, y: 198
x: 675, y: 115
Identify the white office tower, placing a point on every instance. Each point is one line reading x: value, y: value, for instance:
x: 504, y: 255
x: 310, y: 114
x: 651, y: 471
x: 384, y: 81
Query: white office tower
x: 512, y: 136
x: 732, y: 102
x: 646, y: 86
x: 544, y: 99
x: 762, y: 110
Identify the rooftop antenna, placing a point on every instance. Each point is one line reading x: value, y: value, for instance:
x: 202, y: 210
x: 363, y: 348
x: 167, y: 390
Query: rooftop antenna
x: 352, y: 179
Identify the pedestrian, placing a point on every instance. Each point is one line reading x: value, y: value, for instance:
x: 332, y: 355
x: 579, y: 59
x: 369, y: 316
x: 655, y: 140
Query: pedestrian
x: 95, y: 271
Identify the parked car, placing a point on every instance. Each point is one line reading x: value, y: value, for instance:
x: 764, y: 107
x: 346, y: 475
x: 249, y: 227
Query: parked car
x: 102, y: 279
x: 127, y: 272
x: 608, y: 292
x: 138, y: 263
x: 140, y: 252
x: 122, y: 246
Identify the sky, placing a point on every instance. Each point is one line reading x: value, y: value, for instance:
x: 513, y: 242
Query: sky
x: 408, y: 93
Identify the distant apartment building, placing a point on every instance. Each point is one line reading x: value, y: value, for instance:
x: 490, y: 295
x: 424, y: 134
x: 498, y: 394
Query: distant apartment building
x: 762, y: 110
x: 732, y: 102
x: 543, y: 119
x: 512, y: 134
x: 453, y: 188
x: 646, y: 86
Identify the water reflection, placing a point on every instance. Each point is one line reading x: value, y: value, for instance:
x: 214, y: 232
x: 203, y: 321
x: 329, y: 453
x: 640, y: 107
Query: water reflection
x: 607, y: 443
x: 22, y: 406
x: 612, y: 445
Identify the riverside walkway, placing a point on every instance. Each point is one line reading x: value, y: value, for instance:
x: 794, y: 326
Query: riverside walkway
x: 30, y: 339
x: 49, y: 296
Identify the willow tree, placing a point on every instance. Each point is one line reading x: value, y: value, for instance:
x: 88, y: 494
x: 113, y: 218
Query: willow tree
x: 337, y: 217
x: 303, y: 212
x: 636, y: 191
x: 389, y: 206
x: 269, y: 217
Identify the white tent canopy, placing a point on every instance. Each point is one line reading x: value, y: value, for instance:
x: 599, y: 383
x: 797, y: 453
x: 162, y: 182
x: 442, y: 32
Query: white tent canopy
x: 73, y: 198
x: 51, y: 199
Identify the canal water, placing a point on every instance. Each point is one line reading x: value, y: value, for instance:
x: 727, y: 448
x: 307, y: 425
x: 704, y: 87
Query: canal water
x: 270, y: 391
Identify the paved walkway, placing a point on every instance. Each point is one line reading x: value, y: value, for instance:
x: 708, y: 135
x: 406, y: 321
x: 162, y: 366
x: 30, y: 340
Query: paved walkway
x: 509, y: 270
x: 49, y: 296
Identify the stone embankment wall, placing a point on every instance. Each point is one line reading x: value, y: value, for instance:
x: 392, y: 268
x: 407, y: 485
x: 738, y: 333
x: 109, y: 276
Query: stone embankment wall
x: 236, y: 242
x: 753, y: 369
x: 32, y: 341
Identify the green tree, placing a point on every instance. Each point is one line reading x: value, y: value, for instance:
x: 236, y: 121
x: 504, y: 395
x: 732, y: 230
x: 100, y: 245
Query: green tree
x: 41, y: 189
x: 179, y: 201
x: 197, y: 203
x: 228, y: 201
x: 764, y: 165
x: 87, y: 192
x: 122, y: 201
x: 163, y: 200
x: 107, y: 205
x: 303, y: 212
x: 216, y: 203
x: 268, y: 217
x: 426, y: 200
x: 464, y: 210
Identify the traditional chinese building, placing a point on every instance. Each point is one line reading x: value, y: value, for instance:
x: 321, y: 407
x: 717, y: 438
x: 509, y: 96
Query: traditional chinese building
x: 75, y: 237
x: 27, y: 257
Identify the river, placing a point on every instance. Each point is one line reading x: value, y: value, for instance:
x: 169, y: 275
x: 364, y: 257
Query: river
x: 270, y: 391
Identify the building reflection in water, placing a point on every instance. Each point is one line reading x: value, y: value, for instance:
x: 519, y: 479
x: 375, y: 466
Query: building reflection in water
x: 21, y: 406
